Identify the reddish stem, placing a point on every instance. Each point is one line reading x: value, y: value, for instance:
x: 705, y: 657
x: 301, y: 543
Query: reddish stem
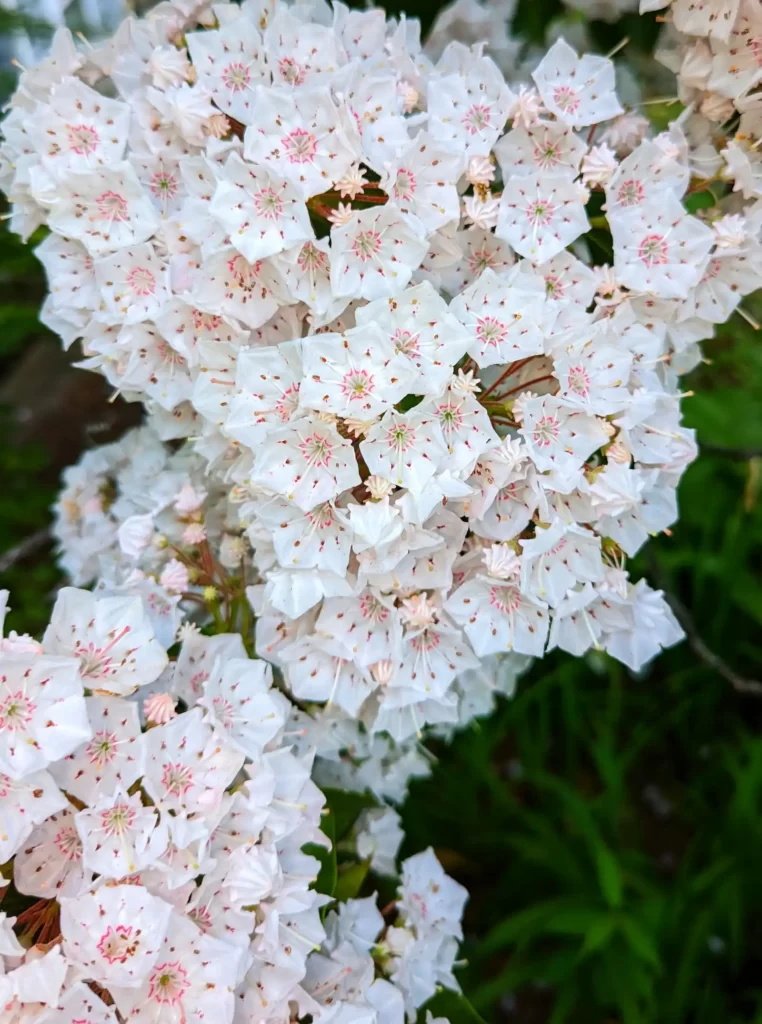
x: 506, y: 373
x: 529, y: 383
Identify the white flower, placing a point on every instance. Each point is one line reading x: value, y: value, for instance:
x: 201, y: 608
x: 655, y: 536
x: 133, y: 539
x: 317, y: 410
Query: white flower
x: 421, y: 181
x: 111, y: 637
x: 659, y: 248
x: 379, y: 836
x: 558, y: 558
x: 188, y: 766
x: 307, y: 462
x: 169, y: 66
x: 356, y: 374
x: 575, y: 627
x: 406, y: 449
x: 114, y: 935
x: 497, y: 616
x: 119, y: 836
x: 50, y: 861
x: 643, y: 176
x: 482, y: 213
x: 540, y: 214
x: 261, y: 213
x: 631, y: 504
x: 316, y: 673
x: 78, y: 1002
x: 504, y: 317
x: 228, y: 63
x: 547, y: 147
x: 429, y: 899
x: 133, y: 282
x: 134, y: 535
x: 377, y: 524
x: 423, y: 330
x: 26, y: 803
x: 194, y: 974
x: 625, y: 132
x: 42, y: 712
x: 470, y: 110
x: 578, y: 90
x: 375, y: 254
x: 558, y: 437
x: 465, y: 426
x: 239, y: 701
x: 300, y: 136
x: 113, y: 756
x: 37, y: 981
x: 371, y: 112
x: 594, y: 378
x: 106, y: 210
x: 266, y: 393
x: 79, y: 130
x: 247, y: 291
x: 367, y: 625
x: 186, y: 109
x: 730, y: 231
x: 651, y: 626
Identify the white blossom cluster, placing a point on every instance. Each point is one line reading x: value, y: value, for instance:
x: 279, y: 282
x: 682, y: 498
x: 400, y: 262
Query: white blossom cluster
x: 416, y: 950
x: 406, y: 518
x: 409, y: 339
x: 161, y: 808
x: 129, y: 509
x: 360, y: 282
x: 714, y: 49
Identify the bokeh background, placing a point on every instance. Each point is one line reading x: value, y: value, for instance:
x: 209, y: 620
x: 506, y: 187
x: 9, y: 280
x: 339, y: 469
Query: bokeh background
x: 608, y: 827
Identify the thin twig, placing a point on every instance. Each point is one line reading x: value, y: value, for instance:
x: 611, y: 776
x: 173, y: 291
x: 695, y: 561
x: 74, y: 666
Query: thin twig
x: 696, y: 642
x: 23, y: 549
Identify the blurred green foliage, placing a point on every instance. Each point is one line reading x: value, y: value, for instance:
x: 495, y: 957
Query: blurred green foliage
x: 608, y: 827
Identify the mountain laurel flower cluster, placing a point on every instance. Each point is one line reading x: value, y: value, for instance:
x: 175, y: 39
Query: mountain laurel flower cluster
x: 408, y: 323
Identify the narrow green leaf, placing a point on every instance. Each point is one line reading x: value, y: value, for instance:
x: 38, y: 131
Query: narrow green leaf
x: 640, y: 941
x: 573, y: 921
x: 350, y: 879
x: 598, y: 934
x: 326, y: 879
x: 346, y: 808
x: 609, y: 875
x: 529, y: 922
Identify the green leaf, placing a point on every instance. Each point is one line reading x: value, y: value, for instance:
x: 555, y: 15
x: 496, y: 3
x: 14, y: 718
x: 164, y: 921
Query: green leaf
x: 609, y: 874
x: 640, y: 941
x: 598, y: 934
x: 526, y: 924
x: 16, y: 324
x: 453, y: 1006
x: 346, y: 808
x: 350, y: 879
x: 573, y: 921
x: 326, y: 879
x: 700, y: 201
